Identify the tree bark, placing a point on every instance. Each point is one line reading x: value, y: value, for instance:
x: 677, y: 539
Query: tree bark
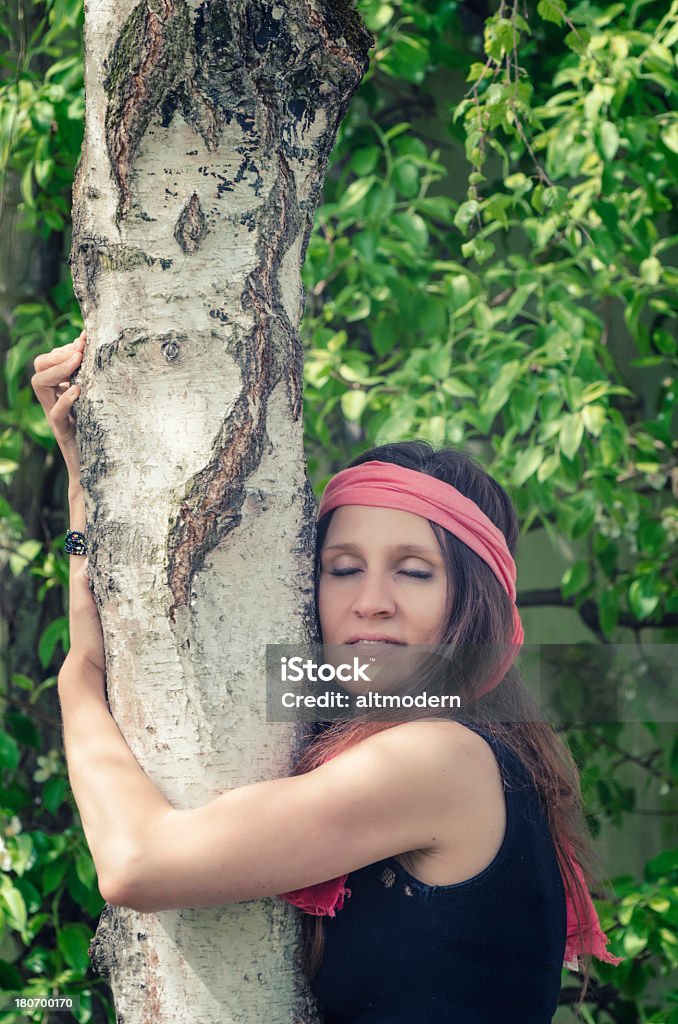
x: 208, y: 130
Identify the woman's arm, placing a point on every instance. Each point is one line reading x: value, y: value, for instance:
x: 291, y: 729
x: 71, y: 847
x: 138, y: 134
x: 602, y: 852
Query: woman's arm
x: 379, y: 798
x: 115, y: 797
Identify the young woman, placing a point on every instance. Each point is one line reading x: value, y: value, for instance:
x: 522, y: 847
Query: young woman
x: 437, y: 860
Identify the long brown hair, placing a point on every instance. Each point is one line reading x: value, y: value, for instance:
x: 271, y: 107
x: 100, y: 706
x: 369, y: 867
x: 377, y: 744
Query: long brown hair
x: 479, y: 611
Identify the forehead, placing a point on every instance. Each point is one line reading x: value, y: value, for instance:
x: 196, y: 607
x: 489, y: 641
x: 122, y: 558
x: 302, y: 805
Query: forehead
x: 379, y: 529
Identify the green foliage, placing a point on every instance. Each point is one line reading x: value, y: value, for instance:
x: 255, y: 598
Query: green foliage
x: 49, y: 900
x: 499, y: 320
x: 482, y: 289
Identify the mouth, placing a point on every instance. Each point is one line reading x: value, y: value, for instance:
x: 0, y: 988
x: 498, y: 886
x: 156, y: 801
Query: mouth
x: 375, y: 642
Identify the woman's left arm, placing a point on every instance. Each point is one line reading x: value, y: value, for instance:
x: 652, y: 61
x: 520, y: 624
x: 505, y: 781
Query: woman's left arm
x: 116, y: 799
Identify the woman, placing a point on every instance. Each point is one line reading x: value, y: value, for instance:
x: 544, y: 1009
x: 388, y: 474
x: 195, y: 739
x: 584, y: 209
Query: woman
x: 456, y: 841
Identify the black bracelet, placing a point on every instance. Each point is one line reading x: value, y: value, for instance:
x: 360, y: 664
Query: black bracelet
x: 75, y: 543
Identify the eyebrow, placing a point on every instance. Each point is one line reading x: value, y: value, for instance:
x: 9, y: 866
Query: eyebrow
x: 417, y: 549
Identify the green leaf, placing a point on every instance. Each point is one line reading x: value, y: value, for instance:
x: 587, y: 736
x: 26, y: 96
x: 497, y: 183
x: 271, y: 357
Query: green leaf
x: 73, y: 941
x: 633, y: 942
x: 85, y: 870
x: 498, y: 394
x: 524, y: 408
x: 669, y: 136
x: 23, y: 729
x: 24, y: 555
x: 27, y: 185
x: 53, y: 793
x: 380, y: 202
x: 9, y: 751
x: 356, y: 192
x: 609, y: 140
x: 13, y: 903
x: 643, y: 597
x: 660, y: 904
x: 575, y: 579
x: 578, y: 41
x: 465, y: 214
x: 24, y: 853
x: 43, y: 171
x: 527, y: 463
x: 365, y: 160
x: 457, y: 388
x: 56, y: 632
x: 413, y: 229
x: 651, y: 270
x: 476, y: 71
x: 571, y: 434
x: 406, y: 178
x: 479, y: 248
x: 548, y: 467
x: 500, y: 36
x: 594, y: 417
x: 352, y: 404
x: 552, y: 10
x: 53, y: 874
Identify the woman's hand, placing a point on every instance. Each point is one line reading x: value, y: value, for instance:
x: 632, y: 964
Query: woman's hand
x: 52, y: 385
x: 87, y: 641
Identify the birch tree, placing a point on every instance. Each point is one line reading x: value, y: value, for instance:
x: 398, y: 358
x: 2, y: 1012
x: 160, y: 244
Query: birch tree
x: 208, y: 129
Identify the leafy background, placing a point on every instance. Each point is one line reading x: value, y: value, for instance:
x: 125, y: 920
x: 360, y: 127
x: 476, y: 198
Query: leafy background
x: 492, y: 267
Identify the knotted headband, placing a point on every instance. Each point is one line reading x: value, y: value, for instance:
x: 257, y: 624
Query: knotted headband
x: 386, y: 485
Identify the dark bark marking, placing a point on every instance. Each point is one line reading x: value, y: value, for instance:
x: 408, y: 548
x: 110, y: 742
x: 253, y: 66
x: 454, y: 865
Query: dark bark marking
x: 130, y: 342
x: 191, y: 226
x: 213, y: 506
x: 255, y: 63
x: 85, y: 266
x: 115, y: 934
x: 92, y: 444
x: 146, y: 61
x: 90, y: 255
x: 170, y: 350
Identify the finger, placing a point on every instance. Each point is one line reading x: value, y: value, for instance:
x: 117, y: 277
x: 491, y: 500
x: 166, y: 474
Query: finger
x: 56, y: 355
x: 60, y: 415
x: 45, y: 381
x: 66, y: 398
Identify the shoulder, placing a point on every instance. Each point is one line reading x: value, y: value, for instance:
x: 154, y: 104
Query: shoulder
x: 431, y: 742
x: 421, y: 760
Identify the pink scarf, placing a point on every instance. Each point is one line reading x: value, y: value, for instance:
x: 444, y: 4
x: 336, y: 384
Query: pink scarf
x: 386, y: 485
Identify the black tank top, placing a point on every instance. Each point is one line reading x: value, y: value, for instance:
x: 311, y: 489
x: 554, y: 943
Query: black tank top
x: 488, y: 950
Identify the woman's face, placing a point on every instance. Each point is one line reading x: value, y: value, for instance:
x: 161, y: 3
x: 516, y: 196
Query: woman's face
x: 382, y: 573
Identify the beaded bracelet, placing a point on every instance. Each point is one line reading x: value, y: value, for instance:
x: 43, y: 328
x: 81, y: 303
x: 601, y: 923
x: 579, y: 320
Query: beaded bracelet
x: 75, y: 543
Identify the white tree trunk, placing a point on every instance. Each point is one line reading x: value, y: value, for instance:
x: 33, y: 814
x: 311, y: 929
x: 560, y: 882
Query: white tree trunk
x: 208, y: 130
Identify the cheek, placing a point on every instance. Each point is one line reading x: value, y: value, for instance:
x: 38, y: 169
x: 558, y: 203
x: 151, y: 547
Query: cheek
x: 324, y: 603
x: 437, y: 609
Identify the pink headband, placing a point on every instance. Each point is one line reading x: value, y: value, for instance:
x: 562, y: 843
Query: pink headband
x: 386, y: 485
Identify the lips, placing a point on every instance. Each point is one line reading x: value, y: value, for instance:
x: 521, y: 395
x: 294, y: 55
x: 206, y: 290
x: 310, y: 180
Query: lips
x: 374, y: 638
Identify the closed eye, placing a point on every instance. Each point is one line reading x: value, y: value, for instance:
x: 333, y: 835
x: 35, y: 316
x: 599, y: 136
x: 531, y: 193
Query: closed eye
x: 418, y: 574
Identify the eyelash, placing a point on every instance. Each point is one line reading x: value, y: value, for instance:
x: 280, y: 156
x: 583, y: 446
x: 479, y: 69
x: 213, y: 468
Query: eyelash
x: 417, y: 574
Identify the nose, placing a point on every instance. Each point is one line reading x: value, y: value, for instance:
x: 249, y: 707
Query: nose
x: 373, y: 597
